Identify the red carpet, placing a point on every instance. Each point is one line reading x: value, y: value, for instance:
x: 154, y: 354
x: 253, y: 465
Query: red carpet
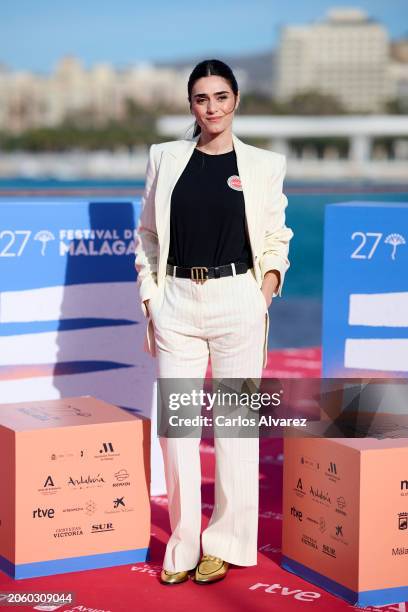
x: 130, y: 588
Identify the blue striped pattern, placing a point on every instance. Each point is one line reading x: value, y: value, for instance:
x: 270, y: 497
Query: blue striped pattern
x: 74, y: 564
x: 38, y: 327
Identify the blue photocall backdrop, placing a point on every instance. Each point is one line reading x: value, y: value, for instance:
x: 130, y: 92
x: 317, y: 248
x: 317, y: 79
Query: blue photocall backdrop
x: 70, y: 318
x: 49, y: 242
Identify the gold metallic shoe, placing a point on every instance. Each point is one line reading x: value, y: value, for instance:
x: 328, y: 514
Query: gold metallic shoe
x: 173, y: 577
x: 210, y: 569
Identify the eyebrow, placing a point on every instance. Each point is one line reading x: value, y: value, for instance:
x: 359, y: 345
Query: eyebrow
x: 202, y: 95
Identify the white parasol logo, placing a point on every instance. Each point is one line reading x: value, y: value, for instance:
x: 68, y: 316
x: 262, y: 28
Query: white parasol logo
x: 395, y: 240
x: 44, y: 236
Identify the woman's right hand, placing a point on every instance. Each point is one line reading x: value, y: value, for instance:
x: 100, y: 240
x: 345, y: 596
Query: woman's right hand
x: 146, y: 303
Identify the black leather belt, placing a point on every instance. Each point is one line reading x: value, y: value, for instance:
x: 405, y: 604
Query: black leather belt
x: 200, y: 274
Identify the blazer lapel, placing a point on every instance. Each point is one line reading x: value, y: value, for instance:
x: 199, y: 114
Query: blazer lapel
x: 172, y: 164
x: 249, y: 172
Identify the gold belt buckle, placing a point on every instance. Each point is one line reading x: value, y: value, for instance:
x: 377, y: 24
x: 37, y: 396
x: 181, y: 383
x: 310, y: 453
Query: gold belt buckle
x: 197, y: 274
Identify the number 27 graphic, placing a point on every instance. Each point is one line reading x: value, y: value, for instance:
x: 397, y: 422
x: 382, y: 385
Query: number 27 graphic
x: 363, y: 236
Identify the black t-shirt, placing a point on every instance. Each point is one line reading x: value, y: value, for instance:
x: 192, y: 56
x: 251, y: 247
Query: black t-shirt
x: 207, y: 215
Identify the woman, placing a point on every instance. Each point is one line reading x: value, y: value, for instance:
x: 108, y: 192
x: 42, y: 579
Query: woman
x: 211, y: 253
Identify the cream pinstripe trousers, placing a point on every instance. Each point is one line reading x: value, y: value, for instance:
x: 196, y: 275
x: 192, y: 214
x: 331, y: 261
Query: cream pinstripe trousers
x: 225, y: 319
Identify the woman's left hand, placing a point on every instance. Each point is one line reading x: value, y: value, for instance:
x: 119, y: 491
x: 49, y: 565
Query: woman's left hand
x: 268, y: 297
x: 270, y: 283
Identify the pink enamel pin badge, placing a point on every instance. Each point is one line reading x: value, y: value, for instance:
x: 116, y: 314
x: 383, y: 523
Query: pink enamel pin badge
x: 234, y: 182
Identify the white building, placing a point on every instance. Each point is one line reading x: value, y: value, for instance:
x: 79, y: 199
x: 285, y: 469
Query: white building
x: 345, y: 55
x: 398, y: 71
x: 30, y: 100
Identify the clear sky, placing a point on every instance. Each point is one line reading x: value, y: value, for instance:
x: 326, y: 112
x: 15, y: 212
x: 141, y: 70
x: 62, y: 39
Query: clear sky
x: 35, y: 34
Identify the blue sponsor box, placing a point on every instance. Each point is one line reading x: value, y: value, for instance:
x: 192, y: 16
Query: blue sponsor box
x: 365, y: 290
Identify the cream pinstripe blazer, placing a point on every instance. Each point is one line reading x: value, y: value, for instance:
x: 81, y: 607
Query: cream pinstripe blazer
x: 261, y: 173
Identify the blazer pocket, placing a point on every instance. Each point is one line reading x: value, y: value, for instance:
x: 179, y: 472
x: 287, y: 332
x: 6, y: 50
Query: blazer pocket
x: 259, y: 291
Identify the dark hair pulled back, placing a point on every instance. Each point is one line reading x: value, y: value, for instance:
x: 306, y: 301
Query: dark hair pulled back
x: 211, y: 67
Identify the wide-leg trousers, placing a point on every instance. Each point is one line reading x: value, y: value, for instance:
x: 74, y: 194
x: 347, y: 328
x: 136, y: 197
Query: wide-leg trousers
x: 223, y: 319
